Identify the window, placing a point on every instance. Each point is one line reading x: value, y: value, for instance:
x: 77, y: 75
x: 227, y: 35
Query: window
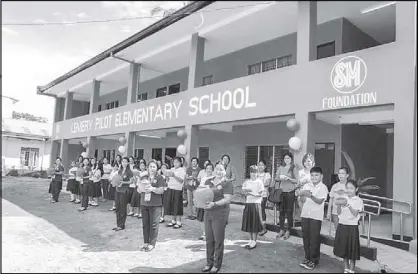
x: 173, y: 89
x: 112, y: 105
x: 272, y: 155
x: 325, y: 50
x: 170, y: 152
x: 269, y: 65
x: 139, y: 153
x: 116, y: 104
x: 157, y: 153
x: 255, y: 68
x: 109, y: 154
x: 99, y: 108
x: 142, y: 97
x: 284, y: 61
x: 29, y: 157
x: 207, y: 80
x: 203, y: 156
x: 161, y: 92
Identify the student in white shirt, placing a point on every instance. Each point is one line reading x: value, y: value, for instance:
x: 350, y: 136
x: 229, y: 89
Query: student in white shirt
x: 71, y: 181
x: 107, y: 169
x: 347, y: 237
x: 173, y: 199
x: 251, y: 217
x: 265, y: 177
x: 337, y: 190
x: 313, y: 196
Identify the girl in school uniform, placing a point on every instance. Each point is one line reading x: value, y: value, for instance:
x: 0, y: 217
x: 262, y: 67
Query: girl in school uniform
x: 56, y: 184
x: 78, y: 182
x: 85, y: 186
x: 97, y: 188
x: 251, y: 217
x: 200, y: 212
x: 347, y: 237
x: 265, y: 177
x: 112, y: 189
x: 71, y: 181
x: 162, y: 171
x: 337, y: 190
x: 95, y: 191
x: 132, y: 187
x: 136, y: 196
x: 107, y: 169
x: 173, y: 200
x: 122, y: 193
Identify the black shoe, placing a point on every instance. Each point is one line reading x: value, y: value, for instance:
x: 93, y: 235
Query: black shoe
x: 304, y: 263
x: 207, y: 268
x: 192, y: 218
x: 311, y: 265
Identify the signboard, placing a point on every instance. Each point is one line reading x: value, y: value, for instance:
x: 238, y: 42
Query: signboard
x: 347, y: 76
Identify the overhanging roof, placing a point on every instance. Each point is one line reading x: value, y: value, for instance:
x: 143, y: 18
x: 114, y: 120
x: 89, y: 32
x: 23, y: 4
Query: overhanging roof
x: 157, y: 26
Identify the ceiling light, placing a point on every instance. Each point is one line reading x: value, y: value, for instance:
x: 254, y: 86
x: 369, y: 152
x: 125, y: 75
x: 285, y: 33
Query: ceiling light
x: 150, y: 136
x: 379, y: 6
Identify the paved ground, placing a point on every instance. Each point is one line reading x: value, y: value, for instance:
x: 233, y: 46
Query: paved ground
x: 43, y: 237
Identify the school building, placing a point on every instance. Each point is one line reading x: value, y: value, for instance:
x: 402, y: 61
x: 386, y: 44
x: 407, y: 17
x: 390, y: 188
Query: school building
x: 232, y: 73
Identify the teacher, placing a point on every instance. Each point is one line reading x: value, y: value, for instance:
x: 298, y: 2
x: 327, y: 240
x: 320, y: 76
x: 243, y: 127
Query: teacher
x: 216, y: 218
x: 122, y: 194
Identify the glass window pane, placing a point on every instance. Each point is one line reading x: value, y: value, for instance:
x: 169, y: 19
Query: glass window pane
x: 284, y: 61
x: 203, y: 156
x: 250, y: 158
x: 266, y: 154
x: 255, y: 68
x: 325, y: 50
x: 161, y: 92
x: 269, y: 65
x: 207, y: 80
x: 174, y: 89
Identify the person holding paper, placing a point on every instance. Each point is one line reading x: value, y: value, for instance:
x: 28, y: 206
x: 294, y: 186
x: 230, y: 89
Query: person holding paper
x: 122, y: 193
x: 191, y: 184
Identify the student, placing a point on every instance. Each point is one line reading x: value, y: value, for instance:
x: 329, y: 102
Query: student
x: 191, y: 184
x: 78, y: 183
x: 286, y: 176
x: 85, y: 186
x: 251, y: 217
x: 95, y: 188
x: 313, y: 196
x: 107, y: 169
x: 229, y: 169
x: 71, y: 181
x: 122, y: 194
x: 136, y: 196
x: 202, y: 172
x: 93, y: 167
x: 337, y: 190
x: 173, y: 200
x: 265, y: 177
x: 112, y: 189
x: 131, y: 189
x: 347, y: 237
x: 308, y: 162
x: 56, y: 184
x: 151, y: 205
x: 216, y: 218
x: 200, y: 214
x: 162, y: 171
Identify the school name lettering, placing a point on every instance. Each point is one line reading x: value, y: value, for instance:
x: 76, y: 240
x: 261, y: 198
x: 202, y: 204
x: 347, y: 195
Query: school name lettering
x: 359, y: 99
x: 199, y: 105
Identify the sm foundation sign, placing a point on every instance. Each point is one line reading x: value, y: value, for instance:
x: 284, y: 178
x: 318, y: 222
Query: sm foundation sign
x: 347, y: 78
x: 147, y: 116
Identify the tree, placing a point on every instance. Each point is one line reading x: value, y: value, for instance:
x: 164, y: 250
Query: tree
x: 28, y: 117
x: 166, y: 12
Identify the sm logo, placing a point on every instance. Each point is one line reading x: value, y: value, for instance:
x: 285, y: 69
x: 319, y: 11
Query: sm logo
x: 348, y: 74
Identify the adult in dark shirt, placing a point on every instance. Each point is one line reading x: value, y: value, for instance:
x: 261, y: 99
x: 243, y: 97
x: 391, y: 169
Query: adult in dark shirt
x: 216, y: 218
x: 121, y: 194
x: 152, y: 189
x: 56, y: 184
x: 191, y: 183
x: 85, y: 185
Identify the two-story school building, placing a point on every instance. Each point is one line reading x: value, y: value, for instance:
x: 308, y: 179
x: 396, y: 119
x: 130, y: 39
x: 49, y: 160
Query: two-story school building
x: 232, y: 73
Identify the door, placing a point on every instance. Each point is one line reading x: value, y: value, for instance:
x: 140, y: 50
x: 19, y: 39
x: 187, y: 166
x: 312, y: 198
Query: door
x: 325, y: 158
x: 170, y: 152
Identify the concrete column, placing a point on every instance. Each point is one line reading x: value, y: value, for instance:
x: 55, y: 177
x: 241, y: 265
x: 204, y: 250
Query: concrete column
x: 130, y: 141
x: 64, y: 154
x: 305, y: 133
x: 91, y: 140
x: 191, y: 142
x: 54, y: 152
x: 94, y: 97
x: 404, y: 167
x: 134, y: 74
x: 306, y: 33
x: 68, y: 105
x: 197, y: 54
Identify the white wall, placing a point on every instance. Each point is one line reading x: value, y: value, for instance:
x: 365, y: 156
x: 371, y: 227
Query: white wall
x: 11, y: 151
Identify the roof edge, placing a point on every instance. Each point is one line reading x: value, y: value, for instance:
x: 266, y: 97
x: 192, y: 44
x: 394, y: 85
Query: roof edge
x: 148, y: 31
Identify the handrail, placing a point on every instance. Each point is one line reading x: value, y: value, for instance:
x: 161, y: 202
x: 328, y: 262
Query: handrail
x: 401, y: 236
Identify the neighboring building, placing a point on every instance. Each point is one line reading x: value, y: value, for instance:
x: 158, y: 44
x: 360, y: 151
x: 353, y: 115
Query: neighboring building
x: 26, y: 145
x: 346, y: 71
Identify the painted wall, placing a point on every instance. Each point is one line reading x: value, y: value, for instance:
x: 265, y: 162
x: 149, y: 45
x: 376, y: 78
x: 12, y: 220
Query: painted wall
x: 11, y: 151
x: 354, y: 38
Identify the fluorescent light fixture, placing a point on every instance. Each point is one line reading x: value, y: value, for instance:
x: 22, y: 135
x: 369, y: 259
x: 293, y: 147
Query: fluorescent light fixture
x: 379, y: 6
x: 150, y: 136
x: 376, y: 122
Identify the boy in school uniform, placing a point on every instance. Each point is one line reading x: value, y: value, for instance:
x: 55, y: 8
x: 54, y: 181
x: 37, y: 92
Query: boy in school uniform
x: 312, y: 196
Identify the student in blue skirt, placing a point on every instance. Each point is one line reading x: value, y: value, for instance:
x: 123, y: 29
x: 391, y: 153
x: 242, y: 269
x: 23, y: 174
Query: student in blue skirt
x: 85, y: 186
x: 347, y: 237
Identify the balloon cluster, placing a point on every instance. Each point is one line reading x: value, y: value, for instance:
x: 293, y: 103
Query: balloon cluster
x: 181, y: 149
x: 122, y: 147
x: 294, y: 143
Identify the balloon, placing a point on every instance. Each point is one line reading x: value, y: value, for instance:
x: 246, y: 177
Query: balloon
x: 295, y: 143
x: 181, y: 134
x: 122, y: 149
x: 202, y: 196
x: 85, y: 145
x: 84, y: 154
x: 122, y: 140
x: 292, y: 125
x: 182, y: 150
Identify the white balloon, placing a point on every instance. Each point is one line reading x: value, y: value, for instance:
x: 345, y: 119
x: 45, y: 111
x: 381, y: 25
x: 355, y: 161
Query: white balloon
x: 122, y: 149
x: 182, y: 150
x: 295, y: 143
x: 84, y: 154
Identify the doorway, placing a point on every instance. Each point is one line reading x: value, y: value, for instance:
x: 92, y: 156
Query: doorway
x: 171, y: 153
x: 325, y: 158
